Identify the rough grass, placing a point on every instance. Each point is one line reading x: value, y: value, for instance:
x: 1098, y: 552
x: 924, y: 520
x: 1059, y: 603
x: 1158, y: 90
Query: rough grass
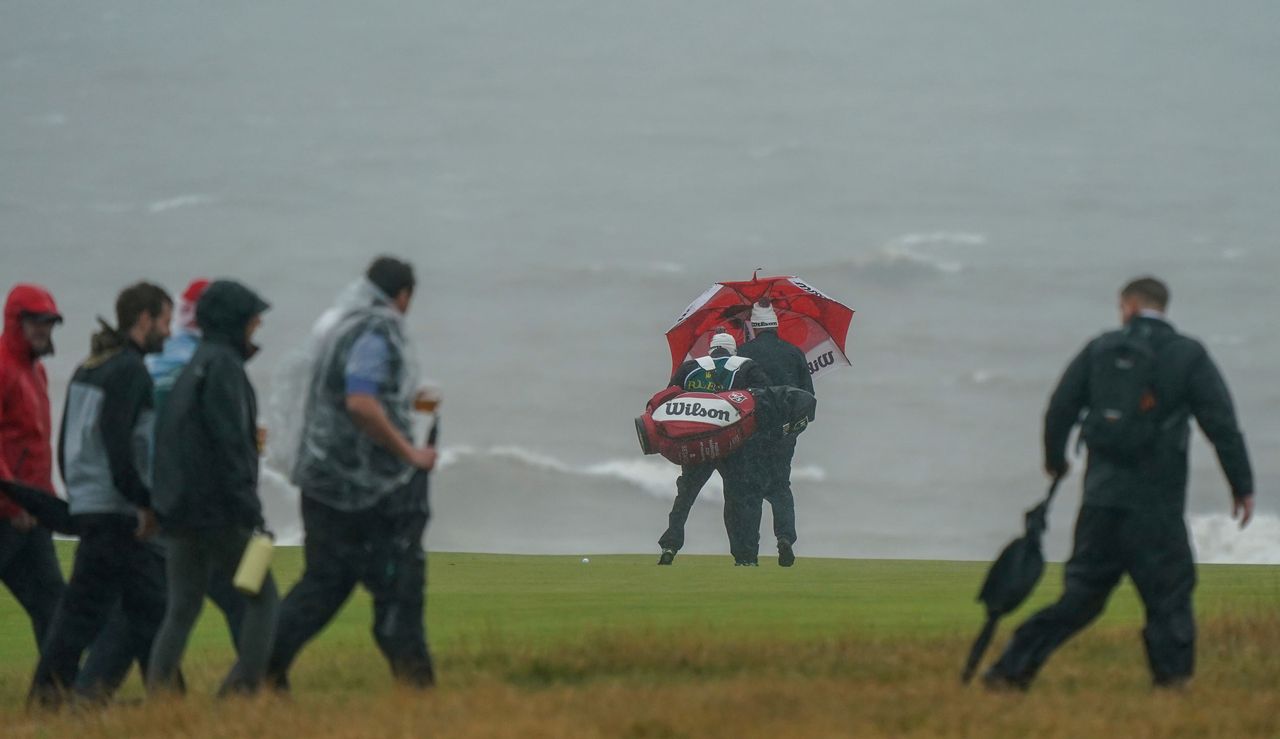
x: 548, y: 646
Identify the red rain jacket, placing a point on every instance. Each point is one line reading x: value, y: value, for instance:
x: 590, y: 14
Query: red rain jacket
x: 26, y: 454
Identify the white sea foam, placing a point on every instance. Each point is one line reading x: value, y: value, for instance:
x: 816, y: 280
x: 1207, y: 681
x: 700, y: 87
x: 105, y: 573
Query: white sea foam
x: 181, y: 201
x: 918, y: 254
x: 642, y: 269
x: 49, y: 120
x: 1219, y: 539
x: 280, y: 505
x: 652, y: 475
x: 932, y: 249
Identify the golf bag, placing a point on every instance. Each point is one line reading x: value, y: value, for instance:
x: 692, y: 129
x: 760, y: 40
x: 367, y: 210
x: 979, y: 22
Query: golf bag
x: 693, y: 428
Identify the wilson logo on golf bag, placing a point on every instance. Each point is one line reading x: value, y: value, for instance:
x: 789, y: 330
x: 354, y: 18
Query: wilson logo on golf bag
x: 717, y: 411
x: 693, y: 427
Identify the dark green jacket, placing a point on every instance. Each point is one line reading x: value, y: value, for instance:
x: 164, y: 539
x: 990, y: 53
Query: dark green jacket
x: 206, y: 440
x: 1187, y: 384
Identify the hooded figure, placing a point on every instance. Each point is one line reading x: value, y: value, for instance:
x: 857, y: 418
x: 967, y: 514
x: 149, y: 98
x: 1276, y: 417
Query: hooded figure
x: 28, y: 563
x: 206, y: 493
x: 25, y: 424
x: 207, y: 456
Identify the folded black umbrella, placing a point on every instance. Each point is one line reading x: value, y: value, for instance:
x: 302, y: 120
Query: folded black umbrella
x: 1011, y: 578
x: 49, y: 510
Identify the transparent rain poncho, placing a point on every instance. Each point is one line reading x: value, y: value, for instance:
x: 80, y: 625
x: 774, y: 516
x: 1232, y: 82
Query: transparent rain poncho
x: 308, y: 424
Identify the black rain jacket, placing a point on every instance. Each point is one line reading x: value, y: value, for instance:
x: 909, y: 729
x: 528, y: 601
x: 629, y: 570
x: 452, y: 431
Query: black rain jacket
x: 1187, y: 384
x: 206, y: 440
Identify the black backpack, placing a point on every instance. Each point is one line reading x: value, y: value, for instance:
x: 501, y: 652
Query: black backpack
x: 1120, y: 422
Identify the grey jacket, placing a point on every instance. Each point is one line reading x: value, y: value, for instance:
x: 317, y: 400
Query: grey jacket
x: 105, y: 447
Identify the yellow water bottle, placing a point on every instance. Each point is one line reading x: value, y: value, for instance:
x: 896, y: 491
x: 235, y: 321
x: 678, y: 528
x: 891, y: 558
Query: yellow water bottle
x: 254, y: 563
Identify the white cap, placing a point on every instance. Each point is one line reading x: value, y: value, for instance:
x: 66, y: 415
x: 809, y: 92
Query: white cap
x: 724, y: 341
x: 762, y: 316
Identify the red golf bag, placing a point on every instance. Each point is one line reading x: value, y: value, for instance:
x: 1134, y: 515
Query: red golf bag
x: 691, y: 428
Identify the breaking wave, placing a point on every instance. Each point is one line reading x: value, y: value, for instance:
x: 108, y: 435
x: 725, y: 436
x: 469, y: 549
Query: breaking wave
x: 653, y: 476
x: 182, y: 201
x: 1218, y: 539
x: 912, y: 256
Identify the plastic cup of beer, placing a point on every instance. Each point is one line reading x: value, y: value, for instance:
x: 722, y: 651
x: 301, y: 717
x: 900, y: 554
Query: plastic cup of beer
x: 262, y: 440
x: 427, y: 399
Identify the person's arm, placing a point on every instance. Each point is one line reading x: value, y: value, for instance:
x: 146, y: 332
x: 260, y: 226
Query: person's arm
x: 128, y: 394
x: 677, y: 379
x: 234, y: 448
x: 806, y: 379
x: 8, y: 509
x: 752, y: 375
x: 1068, y: 399
x: 1211, y: 404
x: 368, y: 368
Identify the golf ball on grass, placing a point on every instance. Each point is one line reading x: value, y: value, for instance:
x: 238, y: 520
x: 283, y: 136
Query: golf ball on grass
x: 586, y: 560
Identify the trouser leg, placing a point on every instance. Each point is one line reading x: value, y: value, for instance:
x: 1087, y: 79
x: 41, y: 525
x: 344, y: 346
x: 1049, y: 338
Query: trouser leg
x: 742, y: 507
x: 144, y: 597
x: 335, y: 558
x: 258, y: 622
x: 778, y: 491
x: 231, y: 602
x: 688, y: 485
x: 188, y: 566
x: 109, y: 659
x: 1091, y: 574
x: 397, y: 581
x: 29, y: 568
x: 94, y: 589
x: 1162, y: 569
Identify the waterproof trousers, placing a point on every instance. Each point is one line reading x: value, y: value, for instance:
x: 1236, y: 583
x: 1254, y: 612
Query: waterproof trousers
x: 111, y: 566
x: 688, y: 485
x: 380, y: 548
x: 111, y: 656
x: 195, y: 560
x: 773, y: 459
x: 760, y: 471
x: 1151, y: 546
x: 29, y: 568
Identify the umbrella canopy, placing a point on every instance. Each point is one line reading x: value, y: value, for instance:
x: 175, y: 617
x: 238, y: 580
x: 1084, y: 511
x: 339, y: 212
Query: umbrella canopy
x: 807, y: 317
x: 1011, y: 578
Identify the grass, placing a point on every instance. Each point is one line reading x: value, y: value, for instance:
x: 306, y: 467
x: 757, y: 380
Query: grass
x: 550, y: 646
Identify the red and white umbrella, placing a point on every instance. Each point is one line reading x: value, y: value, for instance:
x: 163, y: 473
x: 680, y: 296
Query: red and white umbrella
x: 807, y: 317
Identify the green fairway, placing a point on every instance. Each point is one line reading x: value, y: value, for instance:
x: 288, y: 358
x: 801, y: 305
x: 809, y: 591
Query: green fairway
x: 485, y: 600
x: 507, y: 629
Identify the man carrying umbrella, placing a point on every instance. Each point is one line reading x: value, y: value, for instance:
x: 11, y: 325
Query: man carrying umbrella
x: 769, y: 455
x: 1139, y: 387
x: 800, y: 333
